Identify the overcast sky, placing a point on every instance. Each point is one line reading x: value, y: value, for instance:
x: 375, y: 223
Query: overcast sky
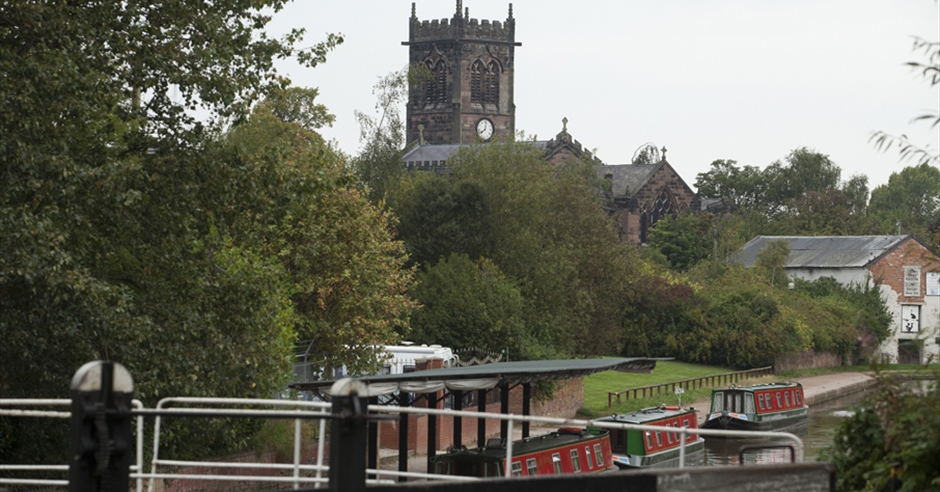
x: 707, y: 79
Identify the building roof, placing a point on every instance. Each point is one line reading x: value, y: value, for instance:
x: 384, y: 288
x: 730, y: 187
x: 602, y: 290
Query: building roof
x: 823, y: 251
x: 486, y: 376
x: 628, y: 178
x: 428, y: 155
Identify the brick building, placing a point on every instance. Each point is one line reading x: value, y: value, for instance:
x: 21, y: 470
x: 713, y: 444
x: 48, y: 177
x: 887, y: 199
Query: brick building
x: 907, y: 270
x: 468, y: 98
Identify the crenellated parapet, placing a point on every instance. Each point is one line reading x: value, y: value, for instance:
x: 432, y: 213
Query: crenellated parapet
x: 462, y: 27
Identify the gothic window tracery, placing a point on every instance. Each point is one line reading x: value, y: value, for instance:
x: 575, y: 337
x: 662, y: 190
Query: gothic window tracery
x: 491, y: 89
x: 477, y: 73
x: 484, y: 83
x: 435, y: 89
x: 664, y: 205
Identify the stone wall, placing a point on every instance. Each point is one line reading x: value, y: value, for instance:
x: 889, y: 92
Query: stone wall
x: 805, y: 360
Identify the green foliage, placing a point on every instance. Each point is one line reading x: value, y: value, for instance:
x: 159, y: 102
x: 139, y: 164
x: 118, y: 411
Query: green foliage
x: 468, y: 304
x: 134, y: 233
x: 741, y: 321
x: 892, y: 441
x: 378, y: 165
x: 444, y: 216
x: 911, y: 197
x: 684, y: 240
x: 772, y: 260
x: 929, y: 70
x: 541, y: 225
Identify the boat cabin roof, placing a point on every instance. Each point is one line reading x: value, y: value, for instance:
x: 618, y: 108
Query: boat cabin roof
x: 648, y: 415
x: 761, y: 387
x: 496, y: 448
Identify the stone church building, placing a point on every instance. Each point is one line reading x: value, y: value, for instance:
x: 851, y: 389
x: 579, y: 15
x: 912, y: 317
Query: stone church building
x: 468, y: 98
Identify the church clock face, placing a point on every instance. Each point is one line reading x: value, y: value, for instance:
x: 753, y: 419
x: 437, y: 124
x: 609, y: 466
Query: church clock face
x: 485, y: 129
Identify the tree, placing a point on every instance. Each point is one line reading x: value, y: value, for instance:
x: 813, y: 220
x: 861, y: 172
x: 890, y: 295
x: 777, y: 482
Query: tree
x: 540, y: 224
x: 469, y: 303
x: 801, y: 172
x: 891, y: 441
x: 116, y: 211
x: 344, y: 271
x: 772, y: 260
x: 378, y: 164
x: 930, y: 70
x: 441, y: 216
x: 911, y: 197
x: 684, y: 240
x: 738, y: 187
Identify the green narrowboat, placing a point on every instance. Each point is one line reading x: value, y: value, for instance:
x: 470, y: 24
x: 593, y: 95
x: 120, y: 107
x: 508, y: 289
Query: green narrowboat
x: 634, y: 448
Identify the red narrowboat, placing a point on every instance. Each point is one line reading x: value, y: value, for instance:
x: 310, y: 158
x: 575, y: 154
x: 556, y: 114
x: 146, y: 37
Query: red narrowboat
x: 633, y: 448
x: 762, y: 407
x: 568, y: 450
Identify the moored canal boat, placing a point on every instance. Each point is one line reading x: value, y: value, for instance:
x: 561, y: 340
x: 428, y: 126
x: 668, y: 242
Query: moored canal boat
x: 761, y: 407
x: 568, y: 450
x: 634, y: 448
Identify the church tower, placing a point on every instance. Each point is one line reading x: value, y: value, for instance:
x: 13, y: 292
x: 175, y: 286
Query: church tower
x: 469, y: 96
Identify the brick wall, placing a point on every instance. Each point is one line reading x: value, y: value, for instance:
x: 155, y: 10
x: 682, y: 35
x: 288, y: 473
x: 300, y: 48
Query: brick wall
x: 567, y: 398
x: 804, y: 360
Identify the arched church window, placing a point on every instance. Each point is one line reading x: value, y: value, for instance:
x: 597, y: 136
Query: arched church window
x: 662, y: 207
x: 477, y: 74
x: 435, y: 89
x: 491, y: 86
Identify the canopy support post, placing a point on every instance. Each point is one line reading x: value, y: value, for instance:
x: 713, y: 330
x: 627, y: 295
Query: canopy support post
x: 526, y: 407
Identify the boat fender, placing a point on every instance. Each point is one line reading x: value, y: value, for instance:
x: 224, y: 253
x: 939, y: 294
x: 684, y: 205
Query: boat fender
x: 570, y: 430
x: 670, y: 407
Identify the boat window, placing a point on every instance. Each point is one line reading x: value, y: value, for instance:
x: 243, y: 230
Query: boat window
x: 598, y: 456
x: 649, y: 440
x: 778, y: 400
x: 669, y: 434
x: 659, y: 439
x: 556, y: 460
x: 799, y: 397
x: 575, y: 461
x: 517, y: 468
x: 760, y: 400
x: 717, y: 401
x: 531, y: 467
x: 738, y: 407
x: 491, y: 469
x: 786, y: 396
x: 748, y: 403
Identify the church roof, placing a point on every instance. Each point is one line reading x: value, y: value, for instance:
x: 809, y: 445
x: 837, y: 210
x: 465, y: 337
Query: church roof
x: 823, y: 251
x: 628, y: 178
x: 428, y: 155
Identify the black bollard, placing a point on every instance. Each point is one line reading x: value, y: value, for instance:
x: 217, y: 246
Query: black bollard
x: 348, y: 435
x: 100, y: 440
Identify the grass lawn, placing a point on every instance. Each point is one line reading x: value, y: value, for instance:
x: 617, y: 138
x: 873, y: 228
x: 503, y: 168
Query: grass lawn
x: 597, y: 385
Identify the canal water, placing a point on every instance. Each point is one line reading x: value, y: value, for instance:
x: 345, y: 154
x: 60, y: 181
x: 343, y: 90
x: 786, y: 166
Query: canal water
x: 824, y: 420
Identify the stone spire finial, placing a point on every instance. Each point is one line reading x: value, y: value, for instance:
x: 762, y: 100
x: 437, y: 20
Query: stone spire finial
x: 420, y: 134
x: 664, y: 152
x: 564, y: 124
x: 414, y: 13
x: 510, y: 11
x: 466, y: 13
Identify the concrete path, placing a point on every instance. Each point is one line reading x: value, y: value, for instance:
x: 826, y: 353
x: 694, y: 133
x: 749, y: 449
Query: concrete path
x: 816, y: 389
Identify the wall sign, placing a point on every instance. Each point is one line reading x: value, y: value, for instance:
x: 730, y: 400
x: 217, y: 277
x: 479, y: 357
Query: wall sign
x: 910, y: 319
x: 933, y: 283
x: 912, y: 281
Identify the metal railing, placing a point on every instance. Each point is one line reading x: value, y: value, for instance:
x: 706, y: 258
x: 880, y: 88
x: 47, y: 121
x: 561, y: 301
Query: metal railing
x: 687, y: 384
x: 311, y: 410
